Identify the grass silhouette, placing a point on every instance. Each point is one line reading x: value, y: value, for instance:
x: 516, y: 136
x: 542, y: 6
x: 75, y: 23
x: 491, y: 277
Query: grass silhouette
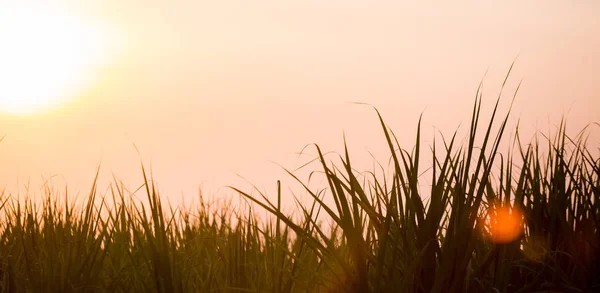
x: 386, y: 234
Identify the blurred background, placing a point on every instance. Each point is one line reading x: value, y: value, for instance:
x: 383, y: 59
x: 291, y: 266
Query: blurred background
x: 209, y: 90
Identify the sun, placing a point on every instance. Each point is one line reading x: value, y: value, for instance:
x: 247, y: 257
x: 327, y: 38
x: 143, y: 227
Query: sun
x: 47, y: 56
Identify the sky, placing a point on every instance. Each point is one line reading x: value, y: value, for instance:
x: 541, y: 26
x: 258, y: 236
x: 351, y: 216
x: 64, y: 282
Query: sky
x: 207, y: 92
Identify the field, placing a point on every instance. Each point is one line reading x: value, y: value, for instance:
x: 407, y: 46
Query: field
x: 520, y: 221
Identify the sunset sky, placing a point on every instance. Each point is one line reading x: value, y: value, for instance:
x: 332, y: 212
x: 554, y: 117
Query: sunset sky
x: 210, y: 89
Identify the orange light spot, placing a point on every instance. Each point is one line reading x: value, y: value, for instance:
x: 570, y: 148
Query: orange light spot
x: 506, y: 224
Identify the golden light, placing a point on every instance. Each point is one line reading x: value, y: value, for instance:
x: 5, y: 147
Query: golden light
x: 506, y: 224
x: 46, y: 56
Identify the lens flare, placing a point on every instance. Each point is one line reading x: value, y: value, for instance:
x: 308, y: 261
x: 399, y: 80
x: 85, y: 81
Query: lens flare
x: 505, y: 224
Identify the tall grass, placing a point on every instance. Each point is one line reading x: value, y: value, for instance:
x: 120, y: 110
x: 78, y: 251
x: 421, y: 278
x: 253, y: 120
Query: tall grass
x: 386, y: 234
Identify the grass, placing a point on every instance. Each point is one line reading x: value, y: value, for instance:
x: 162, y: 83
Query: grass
x: 385, y: 233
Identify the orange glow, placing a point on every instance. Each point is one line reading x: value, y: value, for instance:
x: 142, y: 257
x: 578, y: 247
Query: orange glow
x: 188, y: 81
x: 506, y: 224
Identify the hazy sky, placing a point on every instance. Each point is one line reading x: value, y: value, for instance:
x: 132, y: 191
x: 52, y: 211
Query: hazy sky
x: 208, y: 89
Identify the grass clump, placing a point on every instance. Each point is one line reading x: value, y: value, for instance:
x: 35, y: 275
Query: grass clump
x: 386, y: 234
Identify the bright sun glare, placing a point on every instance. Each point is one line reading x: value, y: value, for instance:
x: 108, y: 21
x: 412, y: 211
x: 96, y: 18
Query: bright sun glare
x: 46, y: 56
